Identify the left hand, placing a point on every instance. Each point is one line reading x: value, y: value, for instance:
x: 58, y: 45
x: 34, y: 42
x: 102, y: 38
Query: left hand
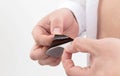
x: 60, y: 21
x: 104, y: 57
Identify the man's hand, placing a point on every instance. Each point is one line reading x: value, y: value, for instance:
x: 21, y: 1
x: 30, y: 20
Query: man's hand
x: 60, y: 21
x: 104, y: 57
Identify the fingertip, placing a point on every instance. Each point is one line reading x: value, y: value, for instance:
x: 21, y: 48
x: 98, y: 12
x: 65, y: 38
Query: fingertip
x: 71, y: 48
x: 85, y: 45
x: 33, y: 56
x: 56, y: 26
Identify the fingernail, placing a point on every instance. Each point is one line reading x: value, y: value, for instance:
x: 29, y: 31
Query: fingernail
x: 56, y: 31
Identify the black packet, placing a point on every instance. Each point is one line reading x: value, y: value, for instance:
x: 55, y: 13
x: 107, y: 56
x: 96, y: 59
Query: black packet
x: 55, y: 50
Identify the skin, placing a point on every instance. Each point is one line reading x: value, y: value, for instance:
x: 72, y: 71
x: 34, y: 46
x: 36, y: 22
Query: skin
x: 103, y: 61
x: 109, y: 19
x: 60, y: 21
x: 104, y: 53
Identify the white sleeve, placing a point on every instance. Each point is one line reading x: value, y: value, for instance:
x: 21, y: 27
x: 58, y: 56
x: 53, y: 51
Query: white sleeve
x: 79, y: 11
x: 91, y: 18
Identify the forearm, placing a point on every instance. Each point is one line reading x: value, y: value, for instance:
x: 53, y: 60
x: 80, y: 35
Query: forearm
x: 109, y: 19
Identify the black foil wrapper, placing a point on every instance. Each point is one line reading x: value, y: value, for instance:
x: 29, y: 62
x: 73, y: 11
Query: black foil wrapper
x: 54, y: 50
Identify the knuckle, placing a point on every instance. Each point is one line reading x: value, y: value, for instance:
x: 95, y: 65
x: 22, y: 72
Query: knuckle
x: 37, y: 55
x: 42, y: 56
x: 55, y: 63
x: 68, y: 73
x: 33, y: 31
x: 34, y: 34
x: 33, y: 56
x: 41, y: 63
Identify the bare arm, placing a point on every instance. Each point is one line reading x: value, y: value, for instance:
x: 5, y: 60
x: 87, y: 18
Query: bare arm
x: 109, y: 18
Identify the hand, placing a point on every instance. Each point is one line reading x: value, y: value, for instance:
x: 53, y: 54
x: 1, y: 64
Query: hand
x: 60, y: 21
x: 104, y: 57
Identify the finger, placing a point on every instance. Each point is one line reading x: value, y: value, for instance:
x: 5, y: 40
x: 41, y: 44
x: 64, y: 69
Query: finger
x: 83, y: 45
x: 56, y: 26
x: 57, y: 62
x: 41, y: 36
x: 50, y: 61
x: 45, y: 40
x: 66, y: 59
x: 38, y: 52
x: 71, y: 69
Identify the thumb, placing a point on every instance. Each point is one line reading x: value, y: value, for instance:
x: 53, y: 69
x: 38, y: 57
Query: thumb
x: 83, y: 45
x: 71, y: 69
x: 78, y: 45
x: 56, y: 26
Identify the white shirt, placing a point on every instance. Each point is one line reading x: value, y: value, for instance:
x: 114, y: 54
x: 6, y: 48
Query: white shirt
x: 85, y: 12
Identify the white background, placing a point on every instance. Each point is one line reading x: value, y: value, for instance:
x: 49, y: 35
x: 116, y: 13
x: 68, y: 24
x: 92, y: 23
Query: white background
x: 17, y: 19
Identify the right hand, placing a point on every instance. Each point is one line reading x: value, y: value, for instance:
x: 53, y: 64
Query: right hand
x: 60, y: 21
x: 104, y: 57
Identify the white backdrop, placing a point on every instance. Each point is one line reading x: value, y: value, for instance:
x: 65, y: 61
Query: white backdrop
x: 17, y: 18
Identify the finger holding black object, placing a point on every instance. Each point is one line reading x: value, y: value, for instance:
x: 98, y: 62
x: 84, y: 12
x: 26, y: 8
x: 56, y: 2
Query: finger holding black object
x: 55, y: 50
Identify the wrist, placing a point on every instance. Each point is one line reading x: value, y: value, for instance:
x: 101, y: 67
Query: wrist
x: 78, y: 10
